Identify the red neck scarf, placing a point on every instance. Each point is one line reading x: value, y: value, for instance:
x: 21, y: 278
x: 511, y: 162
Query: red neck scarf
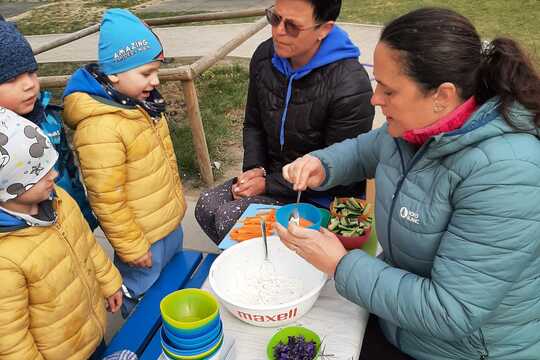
x: 450, y: 122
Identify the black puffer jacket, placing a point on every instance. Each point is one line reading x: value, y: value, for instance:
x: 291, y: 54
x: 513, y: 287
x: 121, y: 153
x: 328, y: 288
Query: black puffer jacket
x: 330, y: 104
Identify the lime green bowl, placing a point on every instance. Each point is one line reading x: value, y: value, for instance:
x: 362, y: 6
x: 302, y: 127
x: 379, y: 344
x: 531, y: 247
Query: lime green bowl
x: 189, y: 308
x: 283, y: 336
x: 325, y: 217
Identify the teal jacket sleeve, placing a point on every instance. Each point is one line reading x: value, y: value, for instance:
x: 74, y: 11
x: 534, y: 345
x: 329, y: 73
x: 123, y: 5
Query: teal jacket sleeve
x: 491, y: 239
x: 351, y: 160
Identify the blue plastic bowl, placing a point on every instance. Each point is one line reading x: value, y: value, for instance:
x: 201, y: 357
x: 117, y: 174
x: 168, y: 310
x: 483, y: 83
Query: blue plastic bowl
x: 306, y: 211
x: 206, y: 350
x: 196, y: 332
x: 214, y: 355
x: 192, y: 343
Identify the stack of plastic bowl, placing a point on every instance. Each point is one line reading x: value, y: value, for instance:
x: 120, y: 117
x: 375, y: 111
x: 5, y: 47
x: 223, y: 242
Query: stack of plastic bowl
x: 192, y: 328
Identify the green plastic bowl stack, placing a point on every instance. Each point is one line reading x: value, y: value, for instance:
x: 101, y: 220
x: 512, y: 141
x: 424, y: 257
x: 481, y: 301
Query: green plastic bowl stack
x: 192, y: 328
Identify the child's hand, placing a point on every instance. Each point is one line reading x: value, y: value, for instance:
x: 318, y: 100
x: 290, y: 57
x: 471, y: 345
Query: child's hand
x: 143, y: 261
x: 114, y: 302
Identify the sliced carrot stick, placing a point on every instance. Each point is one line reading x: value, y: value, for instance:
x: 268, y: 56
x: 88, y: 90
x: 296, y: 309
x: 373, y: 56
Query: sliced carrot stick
x: 251, y: 226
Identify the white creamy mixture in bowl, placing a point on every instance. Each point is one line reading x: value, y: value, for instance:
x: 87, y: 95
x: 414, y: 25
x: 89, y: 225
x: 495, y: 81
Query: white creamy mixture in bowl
x: 262, y: 293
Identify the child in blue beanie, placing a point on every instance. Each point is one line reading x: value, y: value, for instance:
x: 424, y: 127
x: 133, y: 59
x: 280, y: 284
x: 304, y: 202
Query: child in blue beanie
x: 125, y: 151
x: 20, y: 93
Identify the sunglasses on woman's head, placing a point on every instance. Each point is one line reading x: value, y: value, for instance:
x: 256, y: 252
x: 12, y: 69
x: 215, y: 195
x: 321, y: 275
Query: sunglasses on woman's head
x: 290, y: 27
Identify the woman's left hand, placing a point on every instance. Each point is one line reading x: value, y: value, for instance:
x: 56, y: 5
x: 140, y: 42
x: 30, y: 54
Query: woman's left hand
x: 321, y: 249
x: 249, y: 186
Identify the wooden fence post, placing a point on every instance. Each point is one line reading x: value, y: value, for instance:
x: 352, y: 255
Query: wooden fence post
x: 197, y: 129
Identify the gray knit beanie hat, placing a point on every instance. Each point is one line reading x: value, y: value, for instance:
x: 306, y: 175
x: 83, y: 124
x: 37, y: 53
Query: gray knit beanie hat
x: 16, y: 55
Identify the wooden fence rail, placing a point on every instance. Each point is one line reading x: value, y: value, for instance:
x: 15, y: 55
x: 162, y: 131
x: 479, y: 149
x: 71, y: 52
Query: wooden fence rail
x: 182, y: 19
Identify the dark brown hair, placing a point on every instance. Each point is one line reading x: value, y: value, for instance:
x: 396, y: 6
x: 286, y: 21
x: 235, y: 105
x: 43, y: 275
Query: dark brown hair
x: 438, y: 45
x: 326, y: 10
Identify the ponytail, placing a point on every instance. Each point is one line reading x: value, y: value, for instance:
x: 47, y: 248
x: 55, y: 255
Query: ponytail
x: 507, y: 72
x: 438, y: 45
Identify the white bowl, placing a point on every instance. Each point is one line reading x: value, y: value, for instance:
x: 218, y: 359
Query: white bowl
x: 227, y: 281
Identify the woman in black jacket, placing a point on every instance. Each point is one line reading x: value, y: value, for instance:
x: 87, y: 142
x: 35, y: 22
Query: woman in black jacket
x: 307, y: 90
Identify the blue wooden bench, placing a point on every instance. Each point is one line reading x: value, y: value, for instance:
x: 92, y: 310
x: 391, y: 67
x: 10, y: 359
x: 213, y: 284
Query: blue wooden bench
x: 187, y: 269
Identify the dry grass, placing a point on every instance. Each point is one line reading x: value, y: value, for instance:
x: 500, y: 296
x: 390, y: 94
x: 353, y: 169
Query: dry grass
x: 67, y: 16
x: 517, y: 19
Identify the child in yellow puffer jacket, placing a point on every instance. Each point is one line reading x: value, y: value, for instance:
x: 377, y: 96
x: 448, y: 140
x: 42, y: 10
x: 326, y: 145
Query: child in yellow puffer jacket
x: 54, y: 275
x: 125, y: 151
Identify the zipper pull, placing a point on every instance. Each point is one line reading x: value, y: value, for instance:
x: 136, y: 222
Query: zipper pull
x: 400, y: 180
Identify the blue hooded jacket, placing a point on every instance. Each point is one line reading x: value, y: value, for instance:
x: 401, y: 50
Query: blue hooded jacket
x: 48, y: 118
x: 10, y: 222
x: 83, y: 81
x: 336, y: 46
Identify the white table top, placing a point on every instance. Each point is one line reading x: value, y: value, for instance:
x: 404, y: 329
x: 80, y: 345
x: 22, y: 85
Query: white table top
x: 340, y: 324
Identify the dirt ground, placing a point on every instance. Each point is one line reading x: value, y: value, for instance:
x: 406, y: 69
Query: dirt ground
x: 10, y: 9
x: 233, y: 167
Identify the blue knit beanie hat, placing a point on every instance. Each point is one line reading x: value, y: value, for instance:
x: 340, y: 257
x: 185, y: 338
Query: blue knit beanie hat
x: 16, y: 55
x: 125, y: 42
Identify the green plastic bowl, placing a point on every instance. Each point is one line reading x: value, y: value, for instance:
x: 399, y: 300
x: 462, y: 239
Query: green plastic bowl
x: 189, y: 308
x: 283, y: 336
x: 325, y: 217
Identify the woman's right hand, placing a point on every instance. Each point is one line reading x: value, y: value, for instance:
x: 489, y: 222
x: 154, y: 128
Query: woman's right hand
x: 305, y: 172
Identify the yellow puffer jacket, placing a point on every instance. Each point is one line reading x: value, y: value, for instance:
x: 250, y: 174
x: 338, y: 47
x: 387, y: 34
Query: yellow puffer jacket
x: 53, y: 284
x: 130, y: 172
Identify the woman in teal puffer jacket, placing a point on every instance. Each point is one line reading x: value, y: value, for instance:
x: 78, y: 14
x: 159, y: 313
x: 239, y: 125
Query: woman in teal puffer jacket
x: 457, y: 171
